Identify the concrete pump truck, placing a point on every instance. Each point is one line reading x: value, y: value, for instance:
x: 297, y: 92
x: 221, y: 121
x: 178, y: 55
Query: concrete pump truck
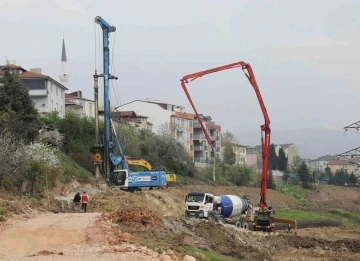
x: 218, y: 208
x: 108, y: 155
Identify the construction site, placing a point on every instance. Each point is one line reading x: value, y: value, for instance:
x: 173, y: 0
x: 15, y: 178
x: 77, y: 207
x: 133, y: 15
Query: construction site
x: 148, y: 215
x: 150, y: 225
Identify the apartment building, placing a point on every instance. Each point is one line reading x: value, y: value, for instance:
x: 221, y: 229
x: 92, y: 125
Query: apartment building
x: 181, y: 127
x: 131, y: 118
x: 81, y: 106
x: 291, y: 151
x: 47, y: 94
x: 239, y: 151
x: 202, y: 149
x: 336, y: 165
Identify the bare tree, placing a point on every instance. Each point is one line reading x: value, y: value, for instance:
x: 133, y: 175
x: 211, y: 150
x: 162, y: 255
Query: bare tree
x: 228, y: 137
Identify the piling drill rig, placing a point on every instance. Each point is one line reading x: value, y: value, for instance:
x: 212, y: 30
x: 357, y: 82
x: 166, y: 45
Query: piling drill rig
x: 260, y: 218
x: 107, y: 152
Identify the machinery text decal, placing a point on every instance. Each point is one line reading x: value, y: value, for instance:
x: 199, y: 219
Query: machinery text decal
x: 139, y: 179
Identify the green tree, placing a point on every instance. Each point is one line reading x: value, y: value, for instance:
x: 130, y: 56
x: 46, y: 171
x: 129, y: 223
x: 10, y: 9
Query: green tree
x: 282, y: 160
x: 17, y: 112
x: 296, y: 163
x: 229, y: 155
x: 304, y: 175
x: 352, y: 179
x: 270, y: 181
x: 273, y: 158
x: 341, y: 177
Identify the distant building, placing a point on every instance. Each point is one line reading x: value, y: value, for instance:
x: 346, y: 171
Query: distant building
x: 131, y: 118
x: 291, y: 151
x: 253, y: 157
x: 239, y: 150
x: 335, y: 165
x: 202, y: 149
x: 81, y: 106
x: 181, y: 127
x: 47, y: 94
x: 317, y: 165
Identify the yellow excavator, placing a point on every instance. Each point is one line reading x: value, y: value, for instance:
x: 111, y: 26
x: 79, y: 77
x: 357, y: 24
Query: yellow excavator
x: 170, y: 178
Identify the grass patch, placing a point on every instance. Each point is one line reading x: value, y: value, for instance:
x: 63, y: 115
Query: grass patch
x: 347, y: 219
x: 303, y: 215
x: 294, y: 191
x: 2, y: 219
x: 304, y: 202
x: 3, y: 210
x: 71, y: 168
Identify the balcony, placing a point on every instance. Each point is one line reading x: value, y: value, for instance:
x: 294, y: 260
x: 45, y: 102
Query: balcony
x: 38, y: 93
x: 200, y: 136
x: 198, y: 148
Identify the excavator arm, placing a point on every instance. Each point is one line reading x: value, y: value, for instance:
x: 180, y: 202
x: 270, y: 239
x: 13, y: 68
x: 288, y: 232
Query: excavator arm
x: 138, y: 162
x: 265, y: 128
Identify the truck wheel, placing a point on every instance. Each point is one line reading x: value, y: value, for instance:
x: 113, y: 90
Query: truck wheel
x: 238, y: 224
x: 211, y: 218
x: 221, y: 220
x: 246, y: 225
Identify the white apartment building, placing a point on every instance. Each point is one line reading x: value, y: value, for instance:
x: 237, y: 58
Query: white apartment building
x: 81, y: 106
x: 47, y: 94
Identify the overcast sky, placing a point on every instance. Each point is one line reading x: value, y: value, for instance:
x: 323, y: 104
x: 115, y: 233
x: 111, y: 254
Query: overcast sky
x: 304, y: 54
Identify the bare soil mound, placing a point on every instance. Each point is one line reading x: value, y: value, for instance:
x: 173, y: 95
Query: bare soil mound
x: 135, y: 217
x: 328, y: 197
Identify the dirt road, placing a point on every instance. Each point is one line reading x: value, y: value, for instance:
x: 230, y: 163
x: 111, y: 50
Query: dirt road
x: 60, y: 237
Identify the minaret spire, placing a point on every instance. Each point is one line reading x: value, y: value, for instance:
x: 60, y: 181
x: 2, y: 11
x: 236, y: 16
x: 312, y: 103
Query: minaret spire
x: 64, y: 76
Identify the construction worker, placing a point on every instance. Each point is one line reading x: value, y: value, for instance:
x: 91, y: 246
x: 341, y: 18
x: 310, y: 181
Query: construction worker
x: 84, y: 200
x: 77, y: 200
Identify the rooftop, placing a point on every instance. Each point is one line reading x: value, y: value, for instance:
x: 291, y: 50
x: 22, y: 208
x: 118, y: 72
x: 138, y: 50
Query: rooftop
x: 339, y: 163
x: 25, y: 74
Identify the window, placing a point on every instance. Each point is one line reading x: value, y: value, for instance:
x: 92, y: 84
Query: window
x: 52, y: 105
x: 90, y: 108
x: 182, y: 122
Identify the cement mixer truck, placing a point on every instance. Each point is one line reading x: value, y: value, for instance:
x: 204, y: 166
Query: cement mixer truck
x: 217, y: 208
x: 227, y: 208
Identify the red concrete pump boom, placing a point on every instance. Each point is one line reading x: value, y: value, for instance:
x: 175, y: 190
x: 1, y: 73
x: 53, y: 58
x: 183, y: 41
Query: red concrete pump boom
x: 265, y: 128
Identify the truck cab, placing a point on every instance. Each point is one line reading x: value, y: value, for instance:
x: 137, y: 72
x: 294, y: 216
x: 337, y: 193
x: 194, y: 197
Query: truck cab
x: 199, y: 204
